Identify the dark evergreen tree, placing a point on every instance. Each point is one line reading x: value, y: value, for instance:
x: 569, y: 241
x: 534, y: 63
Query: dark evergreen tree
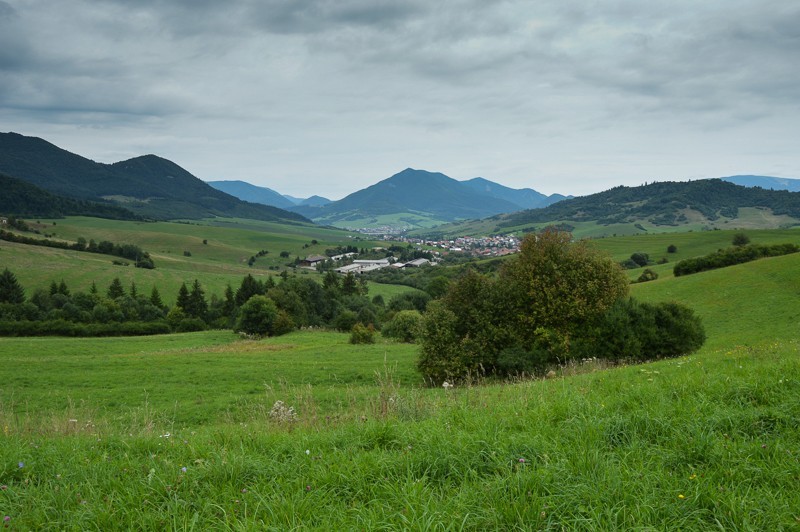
x: 183, y: 298
x: 331, y: 281
x: 133, y: 292
x: 155, y: 298
x: 93, y: 288
x: 230, y: 302
x: 115, y: 290
x: 10, y: 289
x: 62, y: 288
x: 53, y: 288
x: 198, y: 306
x: 350, y: 285
x: 249, y: 288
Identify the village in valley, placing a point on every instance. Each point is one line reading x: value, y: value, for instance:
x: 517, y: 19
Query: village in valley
x: 345, y: 263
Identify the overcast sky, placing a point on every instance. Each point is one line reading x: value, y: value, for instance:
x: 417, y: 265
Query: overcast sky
x: 330, y: 96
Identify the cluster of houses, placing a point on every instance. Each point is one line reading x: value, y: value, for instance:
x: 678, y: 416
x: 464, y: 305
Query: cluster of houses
x: 361, y: 266
x: 489, y: 246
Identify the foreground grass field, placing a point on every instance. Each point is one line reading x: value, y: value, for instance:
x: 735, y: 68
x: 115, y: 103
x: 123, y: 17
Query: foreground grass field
x: 708, y: 441
x: 180, y: 431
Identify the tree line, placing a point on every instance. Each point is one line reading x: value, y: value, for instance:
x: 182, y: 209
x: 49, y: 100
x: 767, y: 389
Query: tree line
x: 131, y: 252
x: 294, y: 302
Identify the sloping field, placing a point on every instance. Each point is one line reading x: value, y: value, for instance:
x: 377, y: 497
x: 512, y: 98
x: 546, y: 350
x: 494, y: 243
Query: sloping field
x: 183, y: 431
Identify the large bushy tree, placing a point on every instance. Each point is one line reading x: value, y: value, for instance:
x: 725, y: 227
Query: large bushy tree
x: 553, y: 301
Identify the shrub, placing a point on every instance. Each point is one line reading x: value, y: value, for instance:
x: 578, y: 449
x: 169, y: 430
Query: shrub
x: 519, y: 361
x: 740, y: 239
x: 732, y: 256
x: 640, y: 259
x: 191, y: 325
x: 672, y: 248
x: 409, y: 301
x: 647, y: 275
x: 641, y: 331
x: 404, y: 326
x: 362, y: 334
x: 345, y: 320
x: 257, y: 316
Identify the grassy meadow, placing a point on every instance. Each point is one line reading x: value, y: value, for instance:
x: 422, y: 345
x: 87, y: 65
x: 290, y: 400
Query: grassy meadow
x: 181, y: 432
x: 221, y: 261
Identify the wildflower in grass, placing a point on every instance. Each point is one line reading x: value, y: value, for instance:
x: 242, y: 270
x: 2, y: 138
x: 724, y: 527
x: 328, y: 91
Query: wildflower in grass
x: 693, y: 477
x: 681, y: 496
x: 308, y: 488
x: 183, y: 469
x: 308, y: 451
x: 521, y: 460
x: 244, y: 490
x: 6, y: 518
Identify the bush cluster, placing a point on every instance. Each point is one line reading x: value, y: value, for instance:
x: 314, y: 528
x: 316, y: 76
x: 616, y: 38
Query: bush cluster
x: 556, y: 300
x: 732, y: 256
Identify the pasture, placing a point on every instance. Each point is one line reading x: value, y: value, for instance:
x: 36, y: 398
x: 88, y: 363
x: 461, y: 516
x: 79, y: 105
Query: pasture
x: 181, y: 432
x: 221, y: 261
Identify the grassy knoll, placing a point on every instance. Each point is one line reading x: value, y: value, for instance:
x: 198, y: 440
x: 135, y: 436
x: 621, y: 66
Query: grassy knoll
x: 743, y: 304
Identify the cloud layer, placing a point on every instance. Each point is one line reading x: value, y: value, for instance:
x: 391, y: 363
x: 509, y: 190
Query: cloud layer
x: 328, y: 96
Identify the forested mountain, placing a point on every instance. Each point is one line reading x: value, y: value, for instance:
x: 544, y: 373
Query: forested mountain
x: 415, y: 191
x: 149, y: 186
x: 666, y: 203
x: 252, y: 193
x: 20, y: 198
x: 524, y: 198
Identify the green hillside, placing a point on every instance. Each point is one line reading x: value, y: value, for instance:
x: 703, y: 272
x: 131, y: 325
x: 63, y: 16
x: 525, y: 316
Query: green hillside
x: 221, y: 260
x: 654, y: 208
x: 150, y: 186
x: 20, y: 198
x: 185, y: 431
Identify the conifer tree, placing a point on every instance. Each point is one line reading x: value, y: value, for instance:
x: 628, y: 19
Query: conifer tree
x: 155, y: 298
x: 115, y: 290
x: 183, y: 298
x: 62, y: 288
x: 198, y: 306
x: 10, y: 289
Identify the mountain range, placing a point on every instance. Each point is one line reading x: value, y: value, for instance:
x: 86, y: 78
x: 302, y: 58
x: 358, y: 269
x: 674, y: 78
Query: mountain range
x: 148, y: 186
x: 433, y: 195
x: 264, y: 195
x: 660, y: 206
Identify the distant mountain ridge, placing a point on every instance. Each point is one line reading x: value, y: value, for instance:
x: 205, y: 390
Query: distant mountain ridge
x: 663, y: 203
x: 525, y: 198
x: 149, y: 186
x: 431, y: 193
x: 266, y: 196
x: 253, y: 193
x: 767, y: 182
